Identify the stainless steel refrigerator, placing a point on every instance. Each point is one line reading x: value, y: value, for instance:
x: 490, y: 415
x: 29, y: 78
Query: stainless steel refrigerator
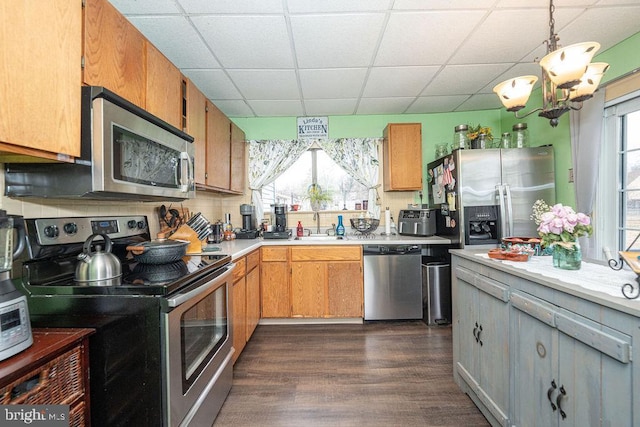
x: 486, y: 194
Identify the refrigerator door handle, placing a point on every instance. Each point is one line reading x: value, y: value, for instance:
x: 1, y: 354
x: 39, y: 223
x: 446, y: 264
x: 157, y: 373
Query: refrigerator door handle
x: 503, y: 213
x: 509, y: 210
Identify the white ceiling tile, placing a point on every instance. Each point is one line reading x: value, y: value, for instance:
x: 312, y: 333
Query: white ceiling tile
x: 329, y: 6
x: 266, y: 84
x: 145, y: 7
x: 332, y: 41
x: 481, y: 102
x: 430, y: 41
x: 214, y: 84
x: 231, y: 6
x: 463, y: 79
x: 436, y: 104
x: 333, y: 107
x: 384, y: 105
x: 276, y: 108
x: 332, y: 83
x: 442, y: 4
x: 398, y: 81
x: 234, y: 107
x: 186, y: 51
x: 605, y: 25
x: 247, y: 41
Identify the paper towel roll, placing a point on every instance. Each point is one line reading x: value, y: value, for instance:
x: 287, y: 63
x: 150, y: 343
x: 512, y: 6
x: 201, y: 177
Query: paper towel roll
x: 387, y: 222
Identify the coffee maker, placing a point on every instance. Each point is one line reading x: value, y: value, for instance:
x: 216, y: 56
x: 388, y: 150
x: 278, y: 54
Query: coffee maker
x: 249, y: 229
x: 280, y: 230
x: 16, y: 326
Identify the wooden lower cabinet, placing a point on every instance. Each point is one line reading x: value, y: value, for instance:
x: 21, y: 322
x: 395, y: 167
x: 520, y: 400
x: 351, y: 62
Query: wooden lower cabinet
x: 253, y: 292
x: 246, y: 300
x: 274, y: 281
x: 345, y: 288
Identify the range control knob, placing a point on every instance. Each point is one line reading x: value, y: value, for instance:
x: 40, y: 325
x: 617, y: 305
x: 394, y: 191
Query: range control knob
x: 131, y: 224
x: 70, y: 228
x: 51, y: 231
x: 141, y: 225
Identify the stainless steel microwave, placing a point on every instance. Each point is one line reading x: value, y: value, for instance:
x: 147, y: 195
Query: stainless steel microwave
x: 126, y: 153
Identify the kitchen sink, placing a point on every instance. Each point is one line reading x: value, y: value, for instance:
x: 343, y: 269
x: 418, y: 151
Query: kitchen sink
x: 319, y: 237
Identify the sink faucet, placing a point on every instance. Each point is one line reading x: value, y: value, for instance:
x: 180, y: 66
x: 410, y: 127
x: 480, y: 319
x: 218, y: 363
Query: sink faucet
x: 316, y: 216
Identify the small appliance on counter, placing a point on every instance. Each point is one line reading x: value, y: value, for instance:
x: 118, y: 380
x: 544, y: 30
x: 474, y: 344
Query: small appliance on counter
x: 280, y: 230
x: 249, y: 229
x: 15, y: 331
x: 417, y: 222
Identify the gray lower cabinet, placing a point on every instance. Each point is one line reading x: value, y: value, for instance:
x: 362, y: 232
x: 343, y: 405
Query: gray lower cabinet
x: 568, y: 370
x: 531, y: 356
x: 481, y: 341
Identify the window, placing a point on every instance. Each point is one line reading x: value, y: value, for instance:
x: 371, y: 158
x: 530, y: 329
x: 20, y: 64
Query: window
x: 315, y: 167
x: 618, y: 197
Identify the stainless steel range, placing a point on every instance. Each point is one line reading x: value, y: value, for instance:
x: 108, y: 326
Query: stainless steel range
x: 161, y: 354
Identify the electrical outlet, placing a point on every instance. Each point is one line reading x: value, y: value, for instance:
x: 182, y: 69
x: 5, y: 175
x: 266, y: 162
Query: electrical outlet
x: 570, y: 175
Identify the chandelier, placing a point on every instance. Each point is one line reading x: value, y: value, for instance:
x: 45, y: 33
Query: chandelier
x: 568, y: 79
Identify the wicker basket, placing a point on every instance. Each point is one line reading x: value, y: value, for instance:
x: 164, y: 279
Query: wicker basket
x: 365, y: 225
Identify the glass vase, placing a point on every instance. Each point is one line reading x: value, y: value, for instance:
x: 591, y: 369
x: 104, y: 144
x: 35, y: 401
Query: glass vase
x: 567, y: 258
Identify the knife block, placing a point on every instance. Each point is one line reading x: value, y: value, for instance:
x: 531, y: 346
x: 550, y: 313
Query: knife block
x: 184, y: 232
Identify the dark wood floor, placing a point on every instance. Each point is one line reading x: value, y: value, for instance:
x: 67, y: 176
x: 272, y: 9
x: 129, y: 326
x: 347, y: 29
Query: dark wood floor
x: 374, y: 374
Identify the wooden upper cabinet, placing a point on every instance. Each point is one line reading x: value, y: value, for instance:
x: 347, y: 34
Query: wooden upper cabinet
x: 40, y: 74
x: 197, y: 128
x: 164, y: 88
x: 114, y: 52
x: 238, y: 152
x: 402, y: 157
x: 218, y: 159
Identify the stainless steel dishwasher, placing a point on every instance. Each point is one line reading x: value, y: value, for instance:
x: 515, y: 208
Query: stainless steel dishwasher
x: 392, y: 282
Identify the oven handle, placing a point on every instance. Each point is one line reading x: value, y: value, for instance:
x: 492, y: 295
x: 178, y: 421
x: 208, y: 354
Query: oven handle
x: 181, y: 298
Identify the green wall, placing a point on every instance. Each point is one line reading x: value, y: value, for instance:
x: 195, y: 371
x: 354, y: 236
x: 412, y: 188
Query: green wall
x: 438, y: 128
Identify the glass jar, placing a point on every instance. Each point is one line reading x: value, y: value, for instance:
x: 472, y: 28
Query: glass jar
x: 441, y: 150
x: 520, y: 138
x: 505, y: 140
x: 460, y: 139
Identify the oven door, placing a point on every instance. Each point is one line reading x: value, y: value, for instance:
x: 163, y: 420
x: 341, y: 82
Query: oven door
x: 198, y: 350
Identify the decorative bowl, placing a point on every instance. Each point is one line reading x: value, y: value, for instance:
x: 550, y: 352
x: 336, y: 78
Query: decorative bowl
x: 530, y: 245
x: 364, y: 225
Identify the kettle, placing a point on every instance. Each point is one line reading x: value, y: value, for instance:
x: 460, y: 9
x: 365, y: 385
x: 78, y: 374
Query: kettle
x: 98, y: 268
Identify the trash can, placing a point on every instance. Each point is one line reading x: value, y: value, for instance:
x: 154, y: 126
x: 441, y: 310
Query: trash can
x: 436, y: 291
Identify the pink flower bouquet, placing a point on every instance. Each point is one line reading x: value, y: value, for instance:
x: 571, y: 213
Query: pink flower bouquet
x: 560, y: 224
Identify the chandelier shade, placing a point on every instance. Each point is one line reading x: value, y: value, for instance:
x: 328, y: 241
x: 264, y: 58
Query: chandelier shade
x: 514, y: 93
x: 589, y: 82
x: 568, y: 79
x: 566, y: 66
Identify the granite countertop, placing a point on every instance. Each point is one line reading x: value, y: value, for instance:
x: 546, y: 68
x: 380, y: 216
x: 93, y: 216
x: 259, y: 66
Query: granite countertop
x: 240, y: 247
x: 594, y: 282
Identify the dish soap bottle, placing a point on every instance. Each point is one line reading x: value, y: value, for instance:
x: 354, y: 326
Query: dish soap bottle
x: 340, y: 227
x: 299, y: 230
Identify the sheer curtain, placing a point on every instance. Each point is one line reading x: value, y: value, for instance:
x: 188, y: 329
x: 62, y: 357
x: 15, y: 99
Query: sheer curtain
x: 586, y: 140
x: 267, y: 160
x: 359, y: 158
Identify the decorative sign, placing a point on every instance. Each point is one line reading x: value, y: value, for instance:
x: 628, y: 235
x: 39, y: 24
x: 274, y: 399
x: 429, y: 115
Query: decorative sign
x: 313, y: 127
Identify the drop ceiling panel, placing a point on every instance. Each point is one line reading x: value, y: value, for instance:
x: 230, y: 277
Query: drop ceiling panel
x: 398, y: 81
x: 247, y: 41
x: 276, y: 107
x: 330, y: 107
x: 333, y: 41
x: 332, y: 83
x: 330, y: 6
x: 231, y: 6
x: 234, y: 108
x: 436, y: 104
x: 463, y: 79
x: 146, y: 7
x: 266, y: 84
x: 442, y: 4
x: 589, y: 26
x: 186, y: 51
x: 432, y: 39
x: 383, y: 105
x: 214, y: 84
x: 480, y: 102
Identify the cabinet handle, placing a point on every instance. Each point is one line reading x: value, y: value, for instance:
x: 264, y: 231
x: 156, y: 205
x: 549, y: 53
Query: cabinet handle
x: 479, y: 332
x: 559, y: 401
x: 549, y: 392
x: 475, y: 332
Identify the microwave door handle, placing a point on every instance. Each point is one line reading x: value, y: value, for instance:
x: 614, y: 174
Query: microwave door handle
x: 185, y: 182
x: 509, y: 209
x: 503, y: 214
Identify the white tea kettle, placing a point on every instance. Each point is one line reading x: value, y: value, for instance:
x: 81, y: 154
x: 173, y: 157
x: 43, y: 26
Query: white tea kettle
x: 98, y: 268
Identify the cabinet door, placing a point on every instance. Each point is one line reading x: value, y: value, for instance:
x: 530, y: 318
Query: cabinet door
x: 402, y: 157
x: 164, y: 88
x: 345, y: 289
x: 197, y: 128
x: 40, y: 77
x: 274, y: 289
x: 253, y: 300
x: 218, y: 166
x: 239, y: 316
x: 308, y: 289
x: 114, y: 52
x: 466, y: 305
x: 238, y: 170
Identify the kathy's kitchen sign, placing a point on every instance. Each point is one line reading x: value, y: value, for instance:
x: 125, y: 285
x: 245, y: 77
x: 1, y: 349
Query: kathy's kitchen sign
x: 313, y: 127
